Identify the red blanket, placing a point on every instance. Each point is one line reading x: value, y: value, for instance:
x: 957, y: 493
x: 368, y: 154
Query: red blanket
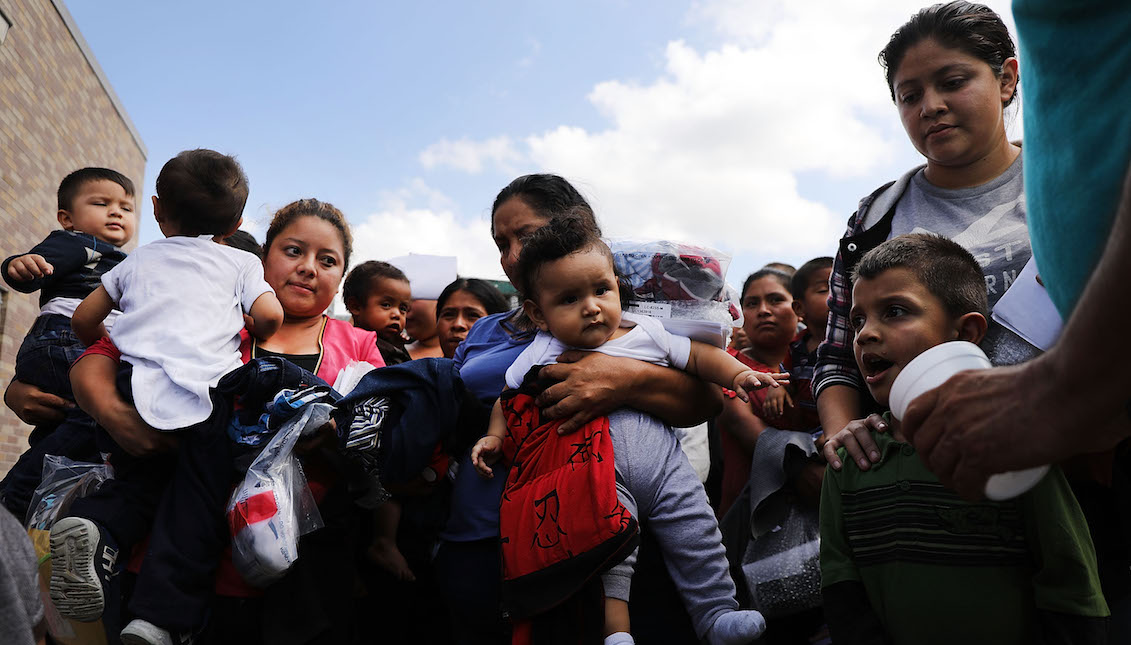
x: 560, y: 520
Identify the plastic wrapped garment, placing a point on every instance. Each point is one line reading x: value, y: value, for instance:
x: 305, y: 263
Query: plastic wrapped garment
x: 273, y: 507
x: 681, y: 284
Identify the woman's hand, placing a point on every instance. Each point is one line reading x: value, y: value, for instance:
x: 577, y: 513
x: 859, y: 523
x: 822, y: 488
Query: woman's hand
x: 93, y: 379
x: 856, y: 439
x: 34, y: 406
x: 592, y: 384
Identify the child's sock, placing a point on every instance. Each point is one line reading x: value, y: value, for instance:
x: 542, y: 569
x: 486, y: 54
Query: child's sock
x: 619, y: 638
x: 736, y: 628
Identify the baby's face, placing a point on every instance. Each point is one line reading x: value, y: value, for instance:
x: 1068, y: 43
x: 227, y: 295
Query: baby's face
x: 577, y: 299
x: 896, y: 318
x: 384, y: 309
x: 102, y: 209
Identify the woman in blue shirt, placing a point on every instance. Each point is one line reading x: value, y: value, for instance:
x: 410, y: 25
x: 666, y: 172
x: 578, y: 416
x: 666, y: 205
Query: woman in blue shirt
x: 590, y: 384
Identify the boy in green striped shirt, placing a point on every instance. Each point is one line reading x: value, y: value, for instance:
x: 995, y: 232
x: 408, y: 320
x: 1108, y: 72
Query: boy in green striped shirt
x: 905, y: 560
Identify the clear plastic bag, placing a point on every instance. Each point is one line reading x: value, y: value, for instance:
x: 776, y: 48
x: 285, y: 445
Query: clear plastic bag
x: 783, y: 566
x: 683, y: 285
x: 63, y: 482
x: 273, y: 506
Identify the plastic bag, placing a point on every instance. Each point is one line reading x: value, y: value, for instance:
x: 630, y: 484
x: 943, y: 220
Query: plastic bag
x: 273, y: 506
x: 783, y: 566
x: 63, y: 482
x: 683, y: 285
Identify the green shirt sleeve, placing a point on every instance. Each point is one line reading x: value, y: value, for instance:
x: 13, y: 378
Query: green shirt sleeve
x: 1067, y: 577
x: 837, y: 564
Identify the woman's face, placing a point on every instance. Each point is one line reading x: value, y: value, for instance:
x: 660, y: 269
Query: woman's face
x: 514, y: 220
x: 769, y: 319
x: 459, y: 313
x: 304, y: 265
x: 951, y: 102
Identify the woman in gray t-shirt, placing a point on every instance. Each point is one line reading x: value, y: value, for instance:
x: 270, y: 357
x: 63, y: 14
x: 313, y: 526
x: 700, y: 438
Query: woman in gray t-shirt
x: 952, y: 72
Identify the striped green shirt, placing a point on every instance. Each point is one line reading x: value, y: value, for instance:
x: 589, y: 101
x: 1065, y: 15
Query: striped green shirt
x: 938, y: 569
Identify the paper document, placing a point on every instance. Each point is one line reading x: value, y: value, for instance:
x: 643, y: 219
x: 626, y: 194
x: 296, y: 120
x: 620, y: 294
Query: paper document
x: 1026, y: 310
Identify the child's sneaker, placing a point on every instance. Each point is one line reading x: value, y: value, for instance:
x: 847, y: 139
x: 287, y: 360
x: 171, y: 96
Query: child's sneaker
x: 143, y: 632
x: 83, y: 561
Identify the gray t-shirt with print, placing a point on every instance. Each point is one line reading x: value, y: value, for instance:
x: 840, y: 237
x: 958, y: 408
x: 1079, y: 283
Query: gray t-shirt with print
x: 987, y: 220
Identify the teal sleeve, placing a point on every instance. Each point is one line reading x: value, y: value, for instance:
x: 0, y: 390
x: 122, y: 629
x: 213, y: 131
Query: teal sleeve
x: 1067, y: 578
x: 837, y: 564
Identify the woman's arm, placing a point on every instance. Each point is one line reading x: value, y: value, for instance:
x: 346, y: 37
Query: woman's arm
x: 34, y: 406
x: 592, y: 384
x: 94, y: 381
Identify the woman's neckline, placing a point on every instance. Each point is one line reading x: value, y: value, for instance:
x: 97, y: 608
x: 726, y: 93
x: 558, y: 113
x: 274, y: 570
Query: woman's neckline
x: 982, y: 171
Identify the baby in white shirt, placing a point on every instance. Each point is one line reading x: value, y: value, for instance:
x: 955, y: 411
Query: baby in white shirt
x: 572, y: 297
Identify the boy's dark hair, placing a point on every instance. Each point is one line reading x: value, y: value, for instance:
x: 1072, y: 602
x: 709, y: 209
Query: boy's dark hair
x: 564, y: 235
x: 947, y: 270
x: 360, y: 280
x: 780, y: 276
x: 968, y: 27
x: 69, y: 187
x: 244, y: 241
x: 800, y: 281
x: 493, y: 300
x: 203, y: 191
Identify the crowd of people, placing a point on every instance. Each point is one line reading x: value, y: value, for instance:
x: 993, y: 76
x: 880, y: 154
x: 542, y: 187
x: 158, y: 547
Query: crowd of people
x: 525, y: 483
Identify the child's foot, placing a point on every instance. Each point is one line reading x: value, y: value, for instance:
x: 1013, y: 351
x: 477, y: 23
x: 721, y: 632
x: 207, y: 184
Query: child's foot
x: 619, y: 638
x: 143, y: 632
x: 736, y: 628
x: 83, y: 560
x: 385, y: 554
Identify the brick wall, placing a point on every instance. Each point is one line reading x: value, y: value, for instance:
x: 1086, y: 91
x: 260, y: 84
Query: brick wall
x: 56, y: 115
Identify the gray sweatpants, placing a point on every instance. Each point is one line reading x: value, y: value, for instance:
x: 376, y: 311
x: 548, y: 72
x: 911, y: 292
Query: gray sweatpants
x: 660, y: 488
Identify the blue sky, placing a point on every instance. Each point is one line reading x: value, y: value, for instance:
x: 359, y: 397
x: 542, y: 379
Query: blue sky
x: 753, y: 127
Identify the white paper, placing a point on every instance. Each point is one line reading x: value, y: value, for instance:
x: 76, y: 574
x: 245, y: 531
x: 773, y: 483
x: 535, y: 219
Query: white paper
x: 428, y: 274
x: 350, y: 375
x: 1026, y: 310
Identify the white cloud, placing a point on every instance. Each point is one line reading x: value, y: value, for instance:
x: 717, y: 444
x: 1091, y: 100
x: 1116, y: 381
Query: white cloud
x: 418, y: 219
x: 470, y: 156
x: 711, y: 149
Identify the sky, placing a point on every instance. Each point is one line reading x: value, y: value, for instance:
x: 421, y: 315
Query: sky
x: 750, y: 127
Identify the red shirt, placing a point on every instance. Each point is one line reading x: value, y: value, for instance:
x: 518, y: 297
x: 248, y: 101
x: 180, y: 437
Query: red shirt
x: 736, y: 459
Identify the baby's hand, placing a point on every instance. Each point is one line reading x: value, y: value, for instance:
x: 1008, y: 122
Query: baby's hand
x: 775, y: 403
x: 486, y: 451
x: 750, y: 380
x: 29, y: 267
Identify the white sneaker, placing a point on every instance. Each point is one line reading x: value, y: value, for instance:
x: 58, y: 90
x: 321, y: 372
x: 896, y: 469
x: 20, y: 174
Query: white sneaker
x: 143, y: 632
x: 82, y: 562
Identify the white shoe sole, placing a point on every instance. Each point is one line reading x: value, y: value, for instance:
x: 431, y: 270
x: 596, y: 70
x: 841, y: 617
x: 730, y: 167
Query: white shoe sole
x: 145, y: 635
x: 75, y: 588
